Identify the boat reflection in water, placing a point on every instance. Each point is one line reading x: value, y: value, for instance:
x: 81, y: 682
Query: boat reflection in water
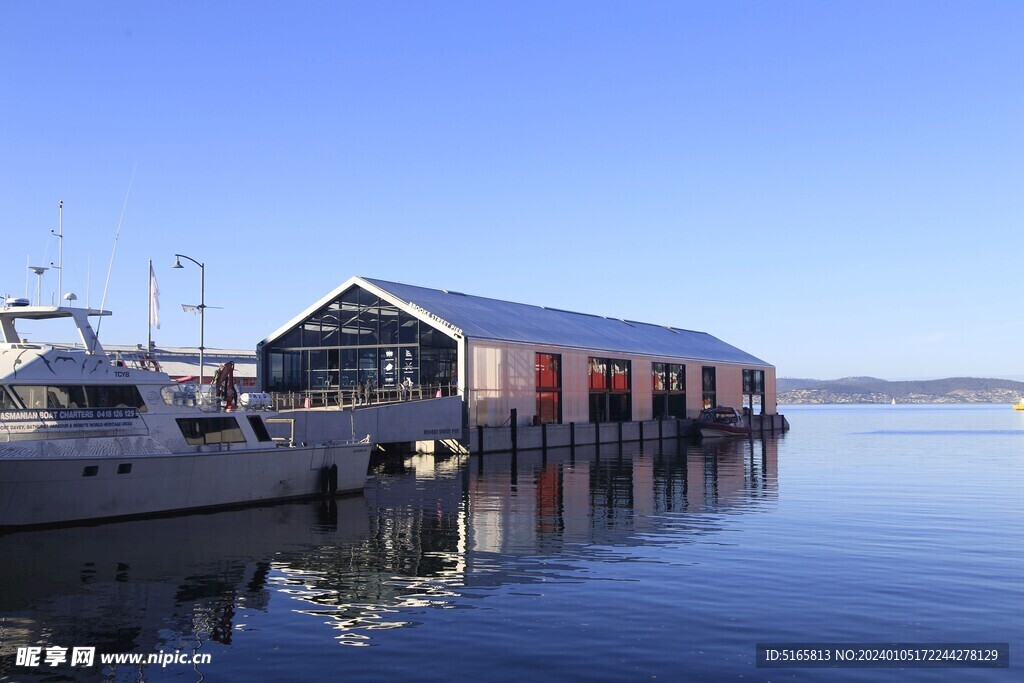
x: 428, y: 533
x: 152, y: 585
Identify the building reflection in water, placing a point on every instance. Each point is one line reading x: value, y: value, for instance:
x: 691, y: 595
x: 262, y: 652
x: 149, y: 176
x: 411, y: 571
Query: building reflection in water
x: 428, y: 534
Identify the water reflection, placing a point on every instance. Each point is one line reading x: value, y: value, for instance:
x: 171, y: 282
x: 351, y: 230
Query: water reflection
x: 428, y: 534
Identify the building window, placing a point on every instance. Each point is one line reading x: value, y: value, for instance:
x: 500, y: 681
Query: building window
x: 668, y: 386
x: 610, y: 385
x: 708, y: 385
x: 549, y: 388
x: 753, y: 391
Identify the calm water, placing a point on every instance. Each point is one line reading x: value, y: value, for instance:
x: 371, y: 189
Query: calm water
x: 888, y: 523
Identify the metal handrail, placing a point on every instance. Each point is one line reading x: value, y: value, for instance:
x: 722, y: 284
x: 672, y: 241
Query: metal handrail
x: 336, y: 397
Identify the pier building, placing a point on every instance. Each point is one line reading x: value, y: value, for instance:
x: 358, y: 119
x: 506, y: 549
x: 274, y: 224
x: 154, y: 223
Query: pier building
x: 550, y: 365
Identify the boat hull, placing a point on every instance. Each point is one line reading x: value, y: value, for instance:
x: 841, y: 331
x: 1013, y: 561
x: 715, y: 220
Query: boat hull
x: 46, y: 491
x: 718, y: 431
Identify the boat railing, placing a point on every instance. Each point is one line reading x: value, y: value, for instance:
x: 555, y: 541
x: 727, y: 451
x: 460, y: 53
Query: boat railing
x: 192, y: 396
x: 282, y: 440
x: 135, y: 360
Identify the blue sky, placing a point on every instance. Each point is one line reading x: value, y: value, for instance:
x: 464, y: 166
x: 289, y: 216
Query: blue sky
x: 833, y: 187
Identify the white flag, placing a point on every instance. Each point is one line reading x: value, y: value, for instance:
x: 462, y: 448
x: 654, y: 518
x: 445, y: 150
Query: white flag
x: 154, y: 299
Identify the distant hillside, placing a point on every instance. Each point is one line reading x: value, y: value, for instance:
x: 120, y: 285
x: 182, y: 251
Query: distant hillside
x: 874, y: 390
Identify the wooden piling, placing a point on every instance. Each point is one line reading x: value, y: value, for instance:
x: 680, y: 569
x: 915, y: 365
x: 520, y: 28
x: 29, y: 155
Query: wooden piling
x: 515, y: 431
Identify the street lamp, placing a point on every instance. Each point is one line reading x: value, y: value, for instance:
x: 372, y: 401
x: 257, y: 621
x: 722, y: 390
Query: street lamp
x: 202, y: 306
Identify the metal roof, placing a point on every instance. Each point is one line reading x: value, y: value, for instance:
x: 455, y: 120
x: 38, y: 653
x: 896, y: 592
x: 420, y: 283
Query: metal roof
x: 483, y: 318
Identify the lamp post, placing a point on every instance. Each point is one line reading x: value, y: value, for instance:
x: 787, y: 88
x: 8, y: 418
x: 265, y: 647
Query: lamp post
x: 202, y: 307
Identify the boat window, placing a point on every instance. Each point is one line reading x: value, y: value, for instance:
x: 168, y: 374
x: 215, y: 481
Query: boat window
x: 78, y: 396
x: 6, y: 400
x: 32, y: 396
x: 115, y: 396
x: 259, y: 428
x: 206, y: 430
x: 179, y: 394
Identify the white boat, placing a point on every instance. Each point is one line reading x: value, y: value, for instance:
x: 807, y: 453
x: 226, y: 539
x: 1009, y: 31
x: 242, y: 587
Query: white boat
x: 721, y: 421
x: 83, y: 437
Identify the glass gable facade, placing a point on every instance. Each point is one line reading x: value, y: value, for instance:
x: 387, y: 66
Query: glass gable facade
x: 358, y: 337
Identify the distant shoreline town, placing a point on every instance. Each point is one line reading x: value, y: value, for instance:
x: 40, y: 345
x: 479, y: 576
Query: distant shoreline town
x: 874, y: 390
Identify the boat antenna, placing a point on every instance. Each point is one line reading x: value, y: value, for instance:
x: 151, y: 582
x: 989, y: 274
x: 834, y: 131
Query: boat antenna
x: 60, y: 248
x: 113, y: 251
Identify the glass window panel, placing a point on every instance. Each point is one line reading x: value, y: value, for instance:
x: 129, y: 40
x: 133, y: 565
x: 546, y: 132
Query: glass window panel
x: 317, y: 359
x: 368, y: 330
x: 77, y: 397
x: 659, y: 403
x: 32, y: 396
x: 291, y: 339
x: 598, y: 407
x: 676, y: 405
x: 658, y: 379
x: 708, y: 378
x: 56, y: 397
x: 549, y: 410
x: 368, y: 365
x: 350, y: 298
x: 598, y: 371
x: 388, y: 325
x: 330, y: 330
x: 410, y: 364
x: 548, y: 371
x: 677, y: 378
x: 349, y: 334
x: 367, y: 299
x: 429, y: 336
x: 304, y: 370
x: 276, y: 371
x: 6, y: 400
x: 389, y: 370
x: 118, y: 396
x: 620, y: 375
x: 259, y: 429
x: 293, y: 372
x: 206, y: 430
x: 620, y: 408
x: 409, y: 329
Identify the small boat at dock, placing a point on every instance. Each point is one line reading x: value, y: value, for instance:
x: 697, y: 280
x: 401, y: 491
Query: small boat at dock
x: 86, y: 437
x: 721, y: 421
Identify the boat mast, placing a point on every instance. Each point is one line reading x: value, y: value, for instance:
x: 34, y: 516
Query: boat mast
x: 149, y: 326
x: 60, y: 248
